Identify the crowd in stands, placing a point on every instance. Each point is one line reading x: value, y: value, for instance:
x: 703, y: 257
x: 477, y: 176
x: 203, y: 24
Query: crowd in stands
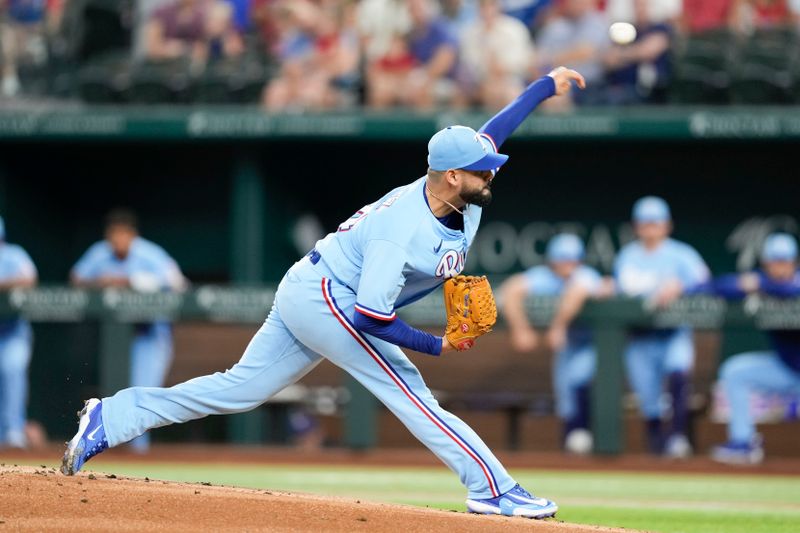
x: 332, y: 54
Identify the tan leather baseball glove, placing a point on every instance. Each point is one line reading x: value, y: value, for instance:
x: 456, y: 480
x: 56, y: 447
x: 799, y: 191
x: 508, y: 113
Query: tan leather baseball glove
x: 471, y: 310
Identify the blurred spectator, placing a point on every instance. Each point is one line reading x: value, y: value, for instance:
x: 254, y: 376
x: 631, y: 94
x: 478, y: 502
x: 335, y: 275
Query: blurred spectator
x: 660, y: 11
x: 660, y: 270
x: 16, y: 339
x: 707, y: 15
x: 264, y: 18
x: 497, y: 54
x: 419, y: 68
x: 127, y: 261
x: 575, y: 356
x: 639, y: 72
x: 380, y: 22
x: 751, y: 15
x: 24, y: 28
x: 578, y: 38
x: 319, y: 58
x: 197, y: 29
x: 530, y: 12
x: 240, y: 14
x: 459, y: 14
x: 777, y: 370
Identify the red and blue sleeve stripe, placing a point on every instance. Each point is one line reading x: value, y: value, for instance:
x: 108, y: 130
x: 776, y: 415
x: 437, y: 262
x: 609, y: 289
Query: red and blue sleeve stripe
x: 374, y: 313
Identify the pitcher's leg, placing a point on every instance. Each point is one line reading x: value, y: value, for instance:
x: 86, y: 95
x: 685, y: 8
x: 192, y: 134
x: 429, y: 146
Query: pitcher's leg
x: 272, y: 360
x: 744, y: 373
x: 386, y: 372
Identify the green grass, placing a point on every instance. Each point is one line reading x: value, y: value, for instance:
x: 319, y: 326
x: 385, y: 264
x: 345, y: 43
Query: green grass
x: 668, y: 503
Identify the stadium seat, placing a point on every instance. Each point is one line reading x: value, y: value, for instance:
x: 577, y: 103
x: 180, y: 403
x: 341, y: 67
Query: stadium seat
x: 759, y: 83
x: 232, y: 81
x: 160, y: 82
x: 701, y: 69
x: 105, y: 79
x: 105, y: 26
x: 697, y: 84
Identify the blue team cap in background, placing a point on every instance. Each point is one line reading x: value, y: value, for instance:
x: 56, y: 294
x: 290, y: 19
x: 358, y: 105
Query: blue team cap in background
x: 651, y: 209
x: 779, y: 247
x: 564, y: 247
x: 461, y: 147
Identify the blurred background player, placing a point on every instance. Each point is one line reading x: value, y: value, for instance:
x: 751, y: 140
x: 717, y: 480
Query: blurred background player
x: 660, y: 269
x: 575, y: 356
x: 777, y: 370
x: 16, y: 339
x: 126, y: 260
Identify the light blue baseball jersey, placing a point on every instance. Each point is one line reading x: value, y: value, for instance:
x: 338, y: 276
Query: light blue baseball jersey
x: 15, y: 263
x: 145, y: 260
x: 642, y: 272
x: 395, y: 251
x: 542, y: 281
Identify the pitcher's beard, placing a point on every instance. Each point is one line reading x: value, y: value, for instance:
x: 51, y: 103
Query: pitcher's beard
x: 481, y: 197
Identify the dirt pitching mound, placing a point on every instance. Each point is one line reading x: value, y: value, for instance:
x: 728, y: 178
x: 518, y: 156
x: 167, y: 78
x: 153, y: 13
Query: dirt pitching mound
x: 41, y: 499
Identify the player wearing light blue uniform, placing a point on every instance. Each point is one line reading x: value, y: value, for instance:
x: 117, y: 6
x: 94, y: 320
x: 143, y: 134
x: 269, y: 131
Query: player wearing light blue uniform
x: 575, y: 356
x: 124, y: 259
x: 16, y: 340
x: 776, y: 370
x: 660, y: 269
x: 339, y: 303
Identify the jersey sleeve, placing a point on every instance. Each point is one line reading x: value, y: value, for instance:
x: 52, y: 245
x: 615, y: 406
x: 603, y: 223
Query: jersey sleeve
x: 382, y: 279
x: 88, y: 265
x: 24, y: 267
x: 692, y: 270
x: 172, y: 276
x: 587, y: 278
x: 502, y: 125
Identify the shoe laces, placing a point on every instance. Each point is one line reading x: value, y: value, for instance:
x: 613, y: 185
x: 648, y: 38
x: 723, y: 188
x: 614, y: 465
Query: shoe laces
x: 97, y: 448
x: 522, y: 492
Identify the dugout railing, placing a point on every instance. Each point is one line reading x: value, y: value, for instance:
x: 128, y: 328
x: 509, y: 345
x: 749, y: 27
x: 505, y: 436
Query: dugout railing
x: 117, y: 311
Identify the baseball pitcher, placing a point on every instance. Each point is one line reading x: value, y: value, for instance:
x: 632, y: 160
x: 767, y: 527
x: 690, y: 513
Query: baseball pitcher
x: 339, y: 303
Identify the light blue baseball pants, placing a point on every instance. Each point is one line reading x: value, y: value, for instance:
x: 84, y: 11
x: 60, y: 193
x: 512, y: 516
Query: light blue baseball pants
x: 574, y: 368
x: 15, y: 357
x: 650, y: 358
x: 746, y: 372
x: 312, y: 315
x: 151, y: 358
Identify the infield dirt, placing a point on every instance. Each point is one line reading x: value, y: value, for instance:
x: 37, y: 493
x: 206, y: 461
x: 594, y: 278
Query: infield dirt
x: 41, y: 499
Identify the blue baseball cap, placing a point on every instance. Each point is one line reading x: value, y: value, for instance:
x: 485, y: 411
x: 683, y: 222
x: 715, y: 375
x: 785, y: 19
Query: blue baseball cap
x: 461, y: 147
x: 564, y: 247
x: 779, y: 247
x: 651, y: 209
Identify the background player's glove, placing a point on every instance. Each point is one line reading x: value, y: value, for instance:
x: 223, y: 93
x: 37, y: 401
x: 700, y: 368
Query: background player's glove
x: 471, y: 311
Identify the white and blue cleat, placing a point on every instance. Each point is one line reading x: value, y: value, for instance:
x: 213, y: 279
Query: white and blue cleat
x: 516, y: 502
x: 739, y: 453
x: 88, y: 441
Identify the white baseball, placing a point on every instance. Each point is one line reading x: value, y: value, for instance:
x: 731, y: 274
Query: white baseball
x: 622, y: 33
